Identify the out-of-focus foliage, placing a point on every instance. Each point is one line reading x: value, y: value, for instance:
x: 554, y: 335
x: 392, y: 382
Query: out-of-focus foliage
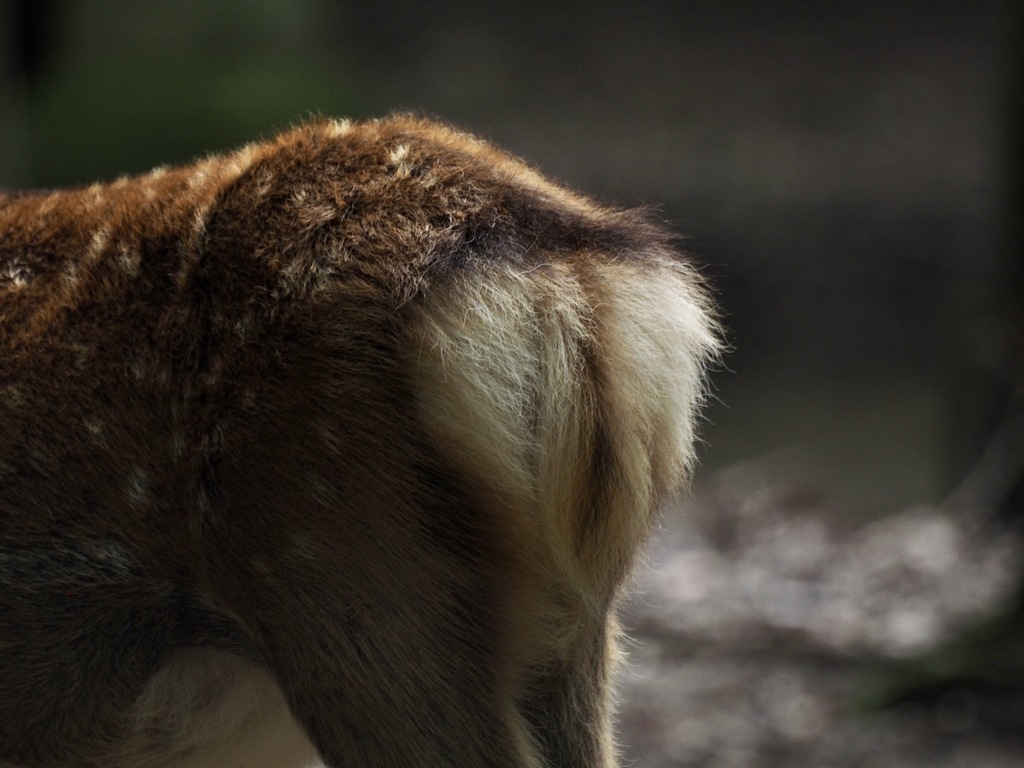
x: 131, y: 85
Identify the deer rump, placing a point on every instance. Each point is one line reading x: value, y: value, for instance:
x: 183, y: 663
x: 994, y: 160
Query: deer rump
x: 341, y: 445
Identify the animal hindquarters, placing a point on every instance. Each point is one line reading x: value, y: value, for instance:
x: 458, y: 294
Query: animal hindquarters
x: 372, y: 406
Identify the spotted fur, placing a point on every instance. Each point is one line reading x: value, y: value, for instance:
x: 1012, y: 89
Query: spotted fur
x: 341, y: 445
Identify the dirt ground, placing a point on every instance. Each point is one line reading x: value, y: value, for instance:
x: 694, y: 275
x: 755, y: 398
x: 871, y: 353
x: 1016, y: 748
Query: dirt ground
x: 762, y: 624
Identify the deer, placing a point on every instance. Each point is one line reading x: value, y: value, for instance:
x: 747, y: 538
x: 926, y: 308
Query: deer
x: 338, y: 449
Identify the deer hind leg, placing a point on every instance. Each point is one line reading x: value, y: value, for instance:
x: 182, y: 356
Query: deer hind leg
x: 567, y: 703
x: 370, y: 578
x: 385, y: 677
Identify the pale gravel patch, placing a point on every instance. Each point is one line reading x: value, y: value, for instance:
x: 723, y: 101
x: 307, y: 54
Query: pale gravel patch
x: 762, y: 614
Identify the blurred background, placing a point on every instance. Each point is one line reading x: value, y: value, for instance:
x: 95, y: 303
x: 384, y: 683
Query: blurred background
x: 849, y: 176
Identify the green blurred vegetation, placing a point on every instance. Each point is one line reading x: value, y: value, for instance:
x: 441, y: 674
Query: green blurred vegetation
x: 837, y: 167
x: 135, y: 85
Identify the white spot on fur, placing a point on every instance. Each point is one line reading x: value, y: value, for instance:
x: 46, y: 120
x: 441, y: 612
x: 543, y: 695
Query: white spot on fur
x: 264, y: 181
x: 215, y: 374
x: 399, y: 153
x: 137, y: 367
x: 15, y: 275
x: 69, y: 274
x: 402, y: 169
x: 49, y: 203
x: 203, y: 505
x: 316, y: 215
x: 162, y: 375
x: 81, y: 354
x: 199, y: 176
x: 98, y: 244
x: 240, y: 162
x: 69, y: 559
x: 178, y: 444
x: 129, y: 260
x: 96, y: 194
x: 95, y: 428
x: 150, y: 182
x: 192, y: 243
x: 248, y: 399
x: 337, y: 128
x: 243, y: 327
x: 12, y: 396
x: 311, y: 209
x: 199, y: 220
x: 111, y: 554
x: 291, y: 276
x: 138, y: 487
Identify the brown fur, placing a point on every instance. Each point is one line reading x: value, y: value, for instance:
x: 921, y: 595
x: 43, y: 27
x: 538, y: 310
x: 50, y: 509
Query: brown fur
x: 371, y: 416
